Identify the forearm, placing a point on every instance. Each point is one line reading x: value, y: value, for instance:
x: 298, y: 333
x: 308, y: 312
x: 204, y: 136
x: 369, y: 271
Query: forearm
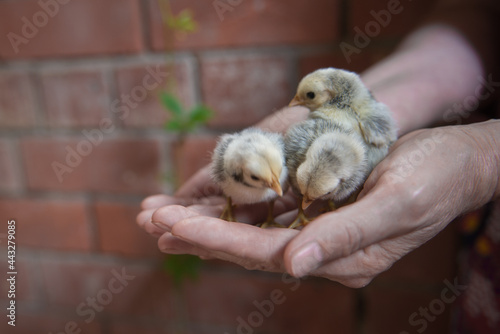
x: 433, y: 69
x: 281, y: 120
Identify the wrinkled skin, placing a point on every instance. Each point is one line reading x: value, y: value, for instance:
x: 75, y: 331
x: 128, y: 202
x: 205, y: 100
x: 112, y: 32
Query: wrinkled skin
x: 429, y: 178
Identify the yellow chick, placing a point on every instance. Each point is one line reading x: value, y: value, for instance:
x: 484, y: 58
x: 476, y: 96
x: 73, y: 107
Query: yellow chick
x: 341, y: 96
x: 325, y: 161
x: 249, y: 166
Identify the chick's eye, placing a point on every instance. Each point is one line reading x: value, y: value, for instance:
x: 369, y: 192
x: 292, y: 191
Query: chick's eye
x: 310, y: 95
x: 255, y: 178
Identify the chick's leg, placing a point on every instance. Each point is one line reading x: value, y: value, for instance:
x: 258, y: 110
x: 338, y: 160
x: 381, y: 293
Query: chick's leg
x: 354, y: 196
x: 330, y: 206
x: 301, y: 219
x: 227, y: 213
x: 270, y: 222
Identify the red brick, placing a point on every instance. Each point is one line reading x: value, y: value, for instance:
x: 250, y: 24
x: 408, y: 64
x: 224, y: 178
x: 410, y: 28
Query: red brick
x: 119, y: 233
x: 243, y: 90
x: 115, y: 166
x: 193, y: 154
x: 412, y: 13
x: 9, y: 169
x: 17, y: 101
x: 78, y: 28
x: 312, y: 306
x: 388, y: 311
x: 148, y: 293
x: 49, y: 323
x: 78, y: 98
x: 52, y: 224
x: 431, y: 263
x: 149, y: 111
x: 253, y: 23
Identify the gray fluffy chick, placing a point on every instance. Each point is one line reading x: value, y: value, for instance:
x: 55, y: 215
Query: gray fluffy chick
x: 249, y: 166
x: 325, y: 161
x: 341, y: 96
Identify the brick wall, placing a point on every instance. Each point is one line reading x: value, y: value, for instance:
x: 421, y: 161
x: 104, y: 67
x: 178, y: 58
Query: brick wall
x: 78, y: 85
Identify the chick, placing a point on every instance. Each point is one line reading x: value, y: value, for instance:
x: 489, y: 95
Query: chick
x: 249, y: 166
x: 341, y: 96
x: 325, y: 161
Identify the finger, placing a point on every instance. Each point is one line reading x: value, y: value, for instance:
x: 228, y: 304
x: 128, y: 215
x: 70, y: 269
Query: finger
x: 248, y: 213
x: 343, y: 232
x: 155, y: 229
x: 168, y: 216
x: 156, y: 201
x: 143, y: 217
x: 247, y: 245
x: 207, y: 210
x: 169, y: 244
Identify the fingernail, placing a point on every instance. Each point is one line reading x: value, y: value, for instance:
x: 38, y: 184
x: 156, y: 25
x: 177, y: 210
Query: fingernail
x: 161, y: 225
x: 306, y: 259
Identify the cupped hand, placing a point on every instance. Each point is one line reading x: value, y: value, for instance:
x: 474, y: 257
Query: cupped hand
x: 429, y: 178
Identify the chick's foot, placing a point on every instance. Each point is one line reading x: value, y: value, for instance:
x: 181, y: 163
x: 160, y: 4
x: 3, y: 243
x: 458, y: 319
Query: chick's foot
x: 270, y: 222
x: 301, y: 219
x: 227, y: 213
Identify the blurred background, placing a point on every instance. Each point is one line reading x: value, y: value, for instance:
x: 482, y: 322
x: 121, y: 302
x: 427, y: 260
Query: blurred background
x: 82, y: 142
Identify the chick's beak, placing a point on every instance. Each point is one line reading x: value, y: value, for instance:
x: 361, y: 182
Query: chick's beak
x: 276, y: 186
x: 296, y: 101
x: 306, y: 202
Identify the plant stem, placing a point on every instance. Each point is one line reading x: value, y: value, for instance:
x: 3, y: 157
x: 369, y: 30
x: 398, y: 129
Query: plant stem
x: 169, y: 40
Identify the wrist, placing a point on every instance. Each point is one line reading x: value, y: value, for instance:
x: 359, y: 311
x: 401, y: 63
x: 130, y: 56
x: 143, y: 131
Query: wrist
x: 491, y: 133
x: 484, y: 138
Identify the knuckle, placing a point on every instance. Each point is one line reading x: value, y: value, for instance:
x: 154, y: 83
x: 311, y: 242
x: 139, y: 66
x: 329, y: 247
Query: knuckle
x: 374, y: 266
x: 165, y: 211
x: 352, y: 238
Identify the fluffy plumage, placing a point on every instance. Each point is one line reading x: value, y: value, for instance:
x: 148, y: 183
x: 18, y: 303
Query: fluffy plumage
x: 325, y: 160
x: 330, y: 155
x: 341, y: 96
x: 250, y: 166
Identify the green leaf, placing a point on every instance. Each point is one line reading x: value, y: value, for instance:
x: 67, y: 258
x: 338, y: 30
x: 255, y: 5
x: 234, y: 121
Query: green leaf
x: 175, y: 125
x: 186, y: 21
x: 183, y: 22
x: 198, y: 116
x: 181, y: 267
x: 201, y: 114
x: 170, y: 102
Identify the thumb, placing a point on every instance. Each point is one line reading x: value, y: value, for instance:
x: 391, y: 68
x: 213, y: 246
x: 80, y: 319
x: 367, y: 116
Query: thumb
x: 340, y: 233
